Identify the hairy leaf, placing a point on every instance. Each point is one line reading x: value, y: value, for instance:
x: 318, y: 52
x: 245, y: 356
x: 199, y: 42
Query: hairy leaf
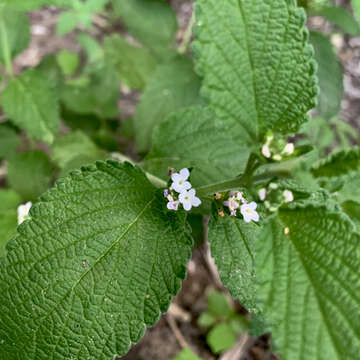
x: 31, y: 102
x: 341, y: 17
x: 9, y: 141
x: 338, y: 164
x: 97, y: 263
x: 330, y: 76
x: 232, y: 243
x: 310, y: 283
x: 257, y: 65
x: 14, y: 32
x: 72, y: 145
x: 134, y: 64
x: 173, y: 86
x: 29, y: 174
x: 151, y: 21
x: 193, y: 138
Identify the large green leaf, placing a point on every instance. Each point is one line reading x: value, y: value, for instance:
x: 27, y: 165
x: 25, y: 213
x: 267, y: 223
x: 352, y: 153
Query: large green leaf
x: 134, y: 64
x: 97, y: 263
x: 151, y: 21
x: 193, y: 138
x: 173, y: 86
x: 341, y: 17
x: 232, y: 244
x: 330, y: 76
x: 338, y: 164
x: 31, y: 102
x: 356, y: 7
x: 310, y: 283
x: 257, y: 65
x: 14, y: 32
x: 29, y: 174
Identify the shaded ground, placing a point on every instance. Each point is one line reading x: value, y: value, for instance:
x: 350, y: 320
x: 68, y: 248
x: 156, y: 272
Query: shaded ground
x: 165, y: 340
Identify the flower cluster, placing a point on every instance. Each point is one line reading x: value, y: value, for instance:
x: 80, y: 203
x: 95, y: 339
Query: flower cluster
x: 273, y: 196
x: 23, y: 212
x: 236, y: 202
x: 276, y: 150
x: 181, y: 192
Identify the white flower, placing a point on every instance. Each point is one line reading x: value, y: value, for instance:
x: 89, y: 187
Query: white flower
x: 288, y: 196
x: 179, y: 181
x: 288, y: 149
x: 188, y: 199
x: 262, y: 194
x: 248, y: 212
x: 23, y: 212
x: 265, y: 150
x: 232, y: 204
x: 173, y: 205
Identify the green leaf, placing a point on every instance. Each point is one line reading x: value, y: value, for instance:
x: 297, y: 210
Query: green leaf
x: 31, y: 102
x: 134, y: 64
x: 257, y: 65
x: 72, y: 145
x: 9, y: 200
x: 9, y: 141
x: 8, y: 224
x: 352, y: 208
x: 206, y: 320
x: 310, y: 284
x: 100, y: 261
x: 232, y: 242
x: 193, y: 138
x: 151, y: 21
x: 338, y: 164
x: 340, y: 17
x: 92, y: 48
x: 14, y: 32
x: 356, y: 7
x: 350, y: 189
x: 218, y: 304
x: 67, y: 22
x: 29, y: 174
x: 68, y: 62
x: 173, y: 86
x: 221, y: 337
x: 186, y: 354
x: 330, y: 76
x: 98, y: 93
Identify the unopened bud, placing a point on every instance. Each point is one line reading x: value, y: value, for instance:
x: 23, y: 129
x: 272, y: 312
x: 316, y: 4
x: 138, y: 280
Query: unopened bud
x: 221, y: 213
x: 171, y: 172
x: 217, y: 196
x: 286, y: 231
x: 277, y: 157
x: 288, y: 149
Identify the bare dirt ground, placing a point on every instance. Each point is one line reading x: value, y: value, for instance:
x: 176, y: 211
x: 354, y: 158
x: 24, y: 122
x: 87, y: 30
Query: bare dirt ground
x: 179, y: 327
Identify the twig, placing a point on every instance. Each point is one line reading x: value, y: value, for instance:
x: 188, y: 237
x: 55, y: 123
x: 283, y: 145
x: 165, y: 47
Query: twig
x: 178, y: 335
x: 187, y: 35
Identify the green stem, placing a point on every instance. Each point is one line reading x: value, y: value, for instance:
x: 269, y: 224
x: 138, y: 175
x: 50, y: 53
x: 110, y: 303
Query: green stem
x: 5, y: 46
x: 187, y: 35
x: 238, y: 182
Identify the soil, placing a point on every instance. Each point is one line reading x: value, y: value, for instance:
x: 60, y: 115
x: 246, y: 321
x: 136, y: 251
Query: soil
x: 179, y: 327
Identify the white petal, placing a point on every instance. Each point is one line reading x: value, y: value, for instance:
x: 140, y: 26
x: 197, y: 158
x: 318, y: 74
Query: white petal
x: 187, y: 206
x: 247, y: 218
x: 262, y: 194
x: 289, y: 149
x: 253, y: 205
x: 255, y: 216
x: 265, y: 150
x: 192, y: 193
x: 176, y: 177
x: 184, y: 173
x: 178, y: 188
x: 196, y: 202
x: 187, y: 185
x: 182, y: 196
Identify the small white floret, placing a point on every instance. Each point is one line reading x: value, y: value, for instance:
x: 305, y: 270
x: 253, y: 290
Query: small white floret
x: 189, y: 200
x: 288, y: 149
x: 262, y: 194
x: 23, y: 212
x: 265, y: 150
x: 173, y: 205
x: 249, y: 213
x: 288, y: 196
x: 179, y: 180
